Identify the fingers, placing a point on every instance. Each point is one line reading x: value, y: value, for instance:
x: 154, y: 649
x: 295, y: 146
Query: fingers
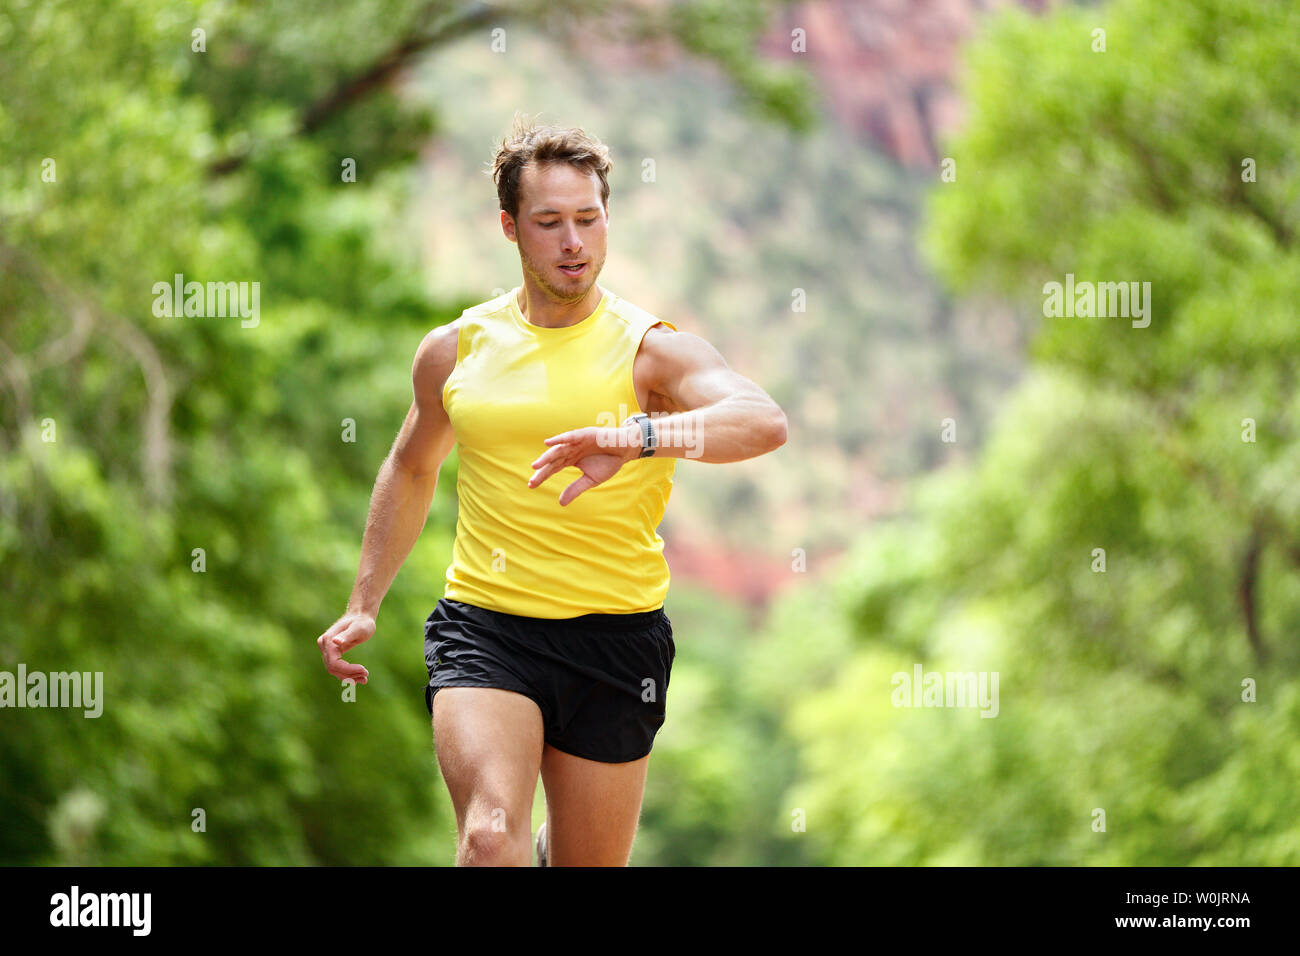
x: 342, y: 636
x: 557, y: 458
x: 543, y: 459
x: 350, y: 638
x: 578, y: 487
x: 336, y: 665
x: 346, y: 671
x: 545, y: 472
x: 566, y: 449
x: 337, y: 627
x: 582, y: 442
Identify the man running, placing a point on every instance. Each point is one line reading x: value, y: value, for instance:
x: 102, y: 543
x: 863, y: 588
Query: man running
x: 550, y: 650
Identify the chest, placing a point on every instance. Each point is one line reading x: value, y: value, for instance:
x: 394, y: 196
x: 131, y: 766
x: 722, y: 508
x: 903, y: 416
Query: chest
x: 499, y: 398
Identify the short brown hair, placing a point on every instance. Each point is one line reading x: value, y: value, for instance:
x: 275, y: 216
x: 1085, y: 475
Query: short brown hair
x: 544, y: 145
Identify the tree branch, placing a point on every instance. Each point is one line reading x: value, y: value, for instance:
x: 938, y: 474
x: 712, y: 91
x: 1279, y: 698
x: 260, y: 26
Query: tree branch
x: 1247, y: 591
x: 454, y: 25
x: 1243, y: 198
x: 155, y: 455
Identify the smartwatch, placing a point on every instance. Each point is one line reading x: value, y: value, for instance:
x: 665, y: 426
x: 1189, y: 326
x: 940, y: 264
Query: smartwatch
x: 649, y: 441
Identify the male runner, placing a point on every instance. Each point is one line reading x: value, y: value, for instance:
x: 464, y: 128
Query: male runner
x: 550, y: 650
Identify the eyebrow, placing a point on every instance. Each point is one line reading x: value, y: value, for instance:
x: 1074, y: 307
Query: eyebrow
x: 556, y: 212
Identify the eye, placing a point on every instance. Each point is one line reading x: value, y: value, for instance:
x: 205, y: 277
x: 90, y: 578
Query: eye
x: 547, y: 225
x: 588, y: 222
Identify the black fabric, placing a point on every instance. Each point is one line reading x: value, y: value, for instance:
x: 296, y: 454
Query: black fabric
x: 600, y: 680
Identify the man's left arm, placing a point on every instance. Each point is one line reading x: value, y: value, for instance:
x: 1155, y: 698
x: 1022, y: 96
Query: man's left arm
x: 724, y: 416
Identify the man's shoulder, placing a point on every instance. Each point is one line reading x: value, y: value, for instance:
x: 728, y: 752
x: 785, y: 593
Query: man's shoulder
x: 435, y: 358
x: 439, y: 346
x: 493, y: 306
x: 638, y: 319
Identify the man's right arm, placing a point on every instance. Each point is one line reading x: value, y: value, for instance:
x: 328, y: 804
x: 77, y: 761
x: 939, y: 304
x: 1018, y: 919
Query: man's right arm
x: 399, y: 504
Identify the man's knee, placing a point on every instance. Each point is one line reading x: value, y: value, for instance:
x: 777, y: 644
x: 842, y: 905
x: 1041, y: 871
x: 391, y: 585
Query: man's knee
x: 492, y: 837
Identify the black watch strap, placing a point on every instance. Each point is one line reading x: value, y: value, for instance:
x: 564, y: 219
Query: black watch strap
x: 649, y: 441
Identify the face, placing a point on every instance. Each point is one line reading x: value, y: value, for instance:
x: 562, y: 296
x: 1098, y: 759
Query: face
x: 561, y: 221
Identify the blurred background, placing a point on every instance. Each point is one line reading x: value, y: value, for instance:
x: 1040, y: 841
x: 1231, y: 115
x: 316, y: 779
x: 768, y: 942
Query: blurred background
x: 860, y: 204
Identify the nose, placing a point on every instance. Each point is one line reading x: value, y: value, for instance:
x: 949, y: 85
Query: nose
x: 571, y: 241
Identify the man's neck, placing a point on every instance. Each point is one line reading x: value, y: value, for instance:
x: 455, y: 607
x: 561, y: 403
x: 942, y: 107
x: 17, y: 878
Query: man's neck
x: 538, y: 310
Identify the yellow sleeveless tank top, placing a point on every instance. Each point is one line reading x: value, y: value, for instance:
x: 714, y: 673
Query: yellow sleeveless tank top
x: 514, y: 385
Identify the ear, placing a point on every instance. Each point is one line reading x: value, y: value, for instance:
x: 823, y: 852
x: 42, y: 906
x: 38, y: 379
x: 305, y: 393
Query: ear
x: 508, y: 226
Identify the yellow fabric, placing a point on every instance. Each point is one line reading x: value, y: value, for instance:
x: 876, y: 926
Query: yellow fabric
x: 514, y: 385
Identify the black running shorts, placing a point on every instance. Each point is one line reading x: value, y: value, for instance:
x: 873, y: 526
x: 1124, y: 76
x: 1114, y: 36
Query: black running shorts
x: 600, y: 680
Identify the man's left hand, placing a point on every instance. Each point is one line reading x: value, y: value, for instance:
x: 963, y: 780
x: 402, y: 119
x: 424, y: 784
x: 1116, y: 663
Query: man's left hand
x: 597, y: 452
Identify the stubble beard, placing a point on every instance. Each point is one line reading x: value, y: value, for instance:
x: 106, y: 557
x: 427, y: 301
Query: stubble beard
x: 559, y: 294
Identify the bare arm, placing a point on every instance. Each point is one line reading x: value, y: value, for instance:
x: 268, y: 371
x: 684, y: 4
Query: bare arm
x: 724, y: 417
x: 399, y: 504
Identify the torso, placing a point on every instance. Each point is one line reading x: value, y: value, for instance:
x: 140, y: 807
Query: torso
x: 602, y: 552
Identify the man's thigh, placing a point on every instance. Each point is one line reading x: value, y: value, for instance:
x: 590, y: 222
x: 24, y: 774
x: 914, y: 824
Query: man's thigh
x: 592, y: 808
x: 489, y: 745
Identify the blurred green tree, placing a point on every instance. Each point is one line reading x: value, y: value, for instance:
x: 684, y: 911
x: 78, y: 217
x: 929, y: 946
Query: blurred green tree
x: 1161, y: 691
x: 182, y: 498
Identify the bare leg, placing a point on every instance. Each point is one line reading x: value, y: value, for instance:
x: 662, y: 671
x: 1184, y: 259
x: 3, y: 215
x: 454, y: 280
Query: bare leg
x: 489, y: 745
x: 592, y: 808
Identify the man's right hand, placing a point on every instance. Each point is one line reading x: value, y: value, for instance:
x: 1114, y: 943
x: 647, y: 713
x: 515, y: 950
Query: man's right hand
x: 346, y: 633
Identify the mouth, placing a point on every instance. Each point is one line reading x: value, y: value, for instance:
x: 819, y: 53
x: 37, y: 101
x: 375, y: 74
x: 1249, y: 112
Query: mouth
x: 574, y: 270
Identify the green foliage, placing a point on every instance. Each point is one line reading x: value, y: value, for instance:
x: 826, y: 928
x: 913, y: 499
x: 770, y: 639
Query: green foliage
x: 1121, y: 690
x: 129, y: 440
x: 175, y: 433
